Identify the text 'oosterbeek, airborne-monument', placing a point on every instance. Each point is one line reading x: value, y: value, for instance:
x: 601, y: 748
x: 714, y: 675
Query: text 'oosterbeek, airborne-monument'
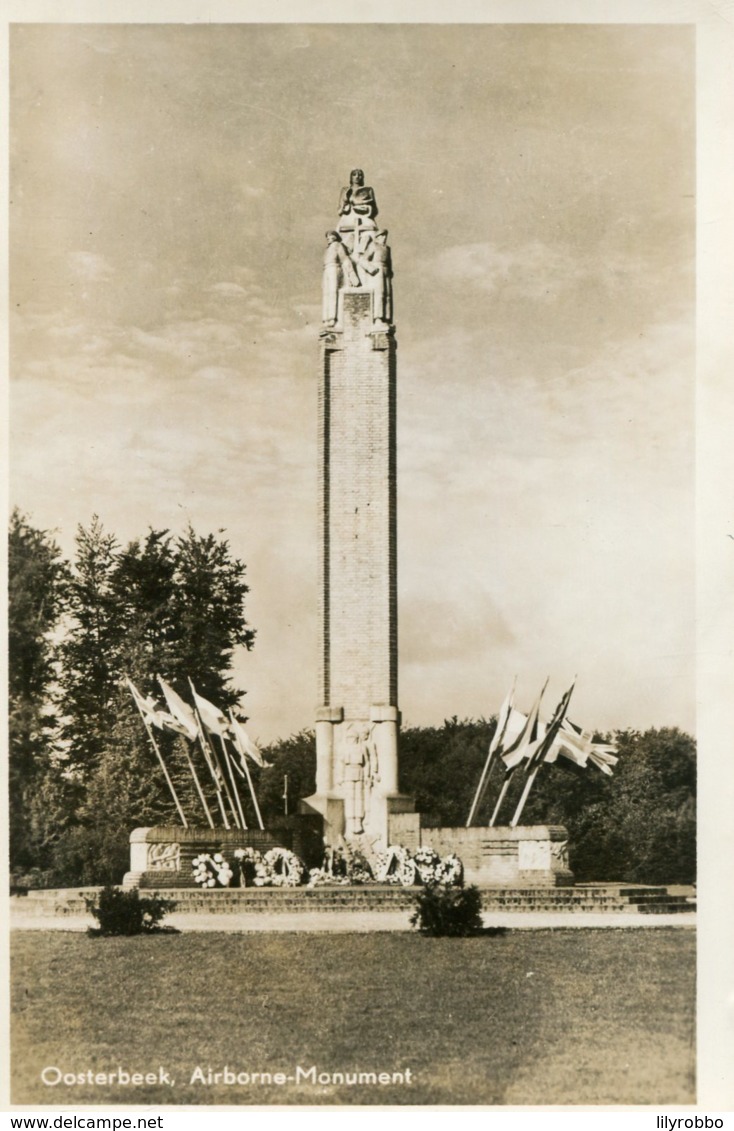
x: 357, y: 721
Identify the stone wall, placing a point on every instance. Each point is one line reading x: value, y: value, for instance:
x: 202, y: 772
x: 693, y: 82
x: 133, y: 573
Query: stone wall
x: 531, y: 855
x: 161, y: 857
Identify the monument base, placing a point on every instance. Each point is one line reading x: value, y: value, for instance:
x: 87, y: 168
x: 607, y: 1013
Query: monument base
x: 330, y: 808
x: 528, y: 856
x: 161, y: 857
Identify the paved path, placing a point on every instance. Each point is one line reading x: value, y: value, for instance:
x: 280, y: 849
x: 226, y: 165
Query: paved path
x: 346, y: 921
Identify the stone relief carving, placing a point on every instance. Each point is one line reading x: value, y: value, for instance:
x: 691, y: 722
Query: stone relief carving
x: 359, y: 772
x: 164, y: 857
x: 559, y: 852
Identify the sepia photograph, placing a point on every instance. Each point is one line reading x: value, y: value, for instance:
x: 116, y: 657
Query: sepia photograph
x: 354, y: 607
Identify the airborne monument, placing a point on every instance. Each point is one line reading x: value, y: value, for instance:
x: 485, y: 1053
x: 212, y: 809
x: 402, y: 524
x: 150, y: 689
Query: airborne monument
x: 357, y: 799
x: 357, y: 720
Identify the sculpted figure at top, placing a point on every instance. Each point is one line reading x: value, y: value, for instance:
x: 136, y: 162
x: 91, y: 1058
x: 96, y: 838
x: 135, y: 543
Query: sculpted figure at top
x: 357, y: 198
x: 357, y: 256
x: 338, y: 271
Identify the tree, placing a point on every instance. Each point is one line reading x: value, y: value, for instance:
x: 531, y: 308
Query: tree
x: 294, y: 757
x: 37, y: 580
x: 638, y: 826
x: 82, y: 771
x: 440, y: 766
x: 90, y: 651
x: 174, y: 607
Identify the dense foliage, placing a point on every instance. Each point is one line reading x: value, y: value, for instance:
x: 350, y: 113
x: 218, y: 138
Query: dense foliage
x: 447, y: 912
x: 37, y: 580
x: 83, y: 773
x: 127, y: 912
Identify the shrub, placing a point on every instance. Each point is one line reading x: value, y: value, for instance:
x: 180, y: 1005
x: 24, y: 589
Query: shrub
x: 443, y: 910
x: 125, y: 913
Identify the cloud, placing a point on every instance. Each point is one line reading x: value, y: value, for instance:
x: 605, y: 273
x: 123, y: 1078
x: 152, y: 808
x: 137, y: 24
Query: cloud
x: 228, y: 290
x: 533, y: 270
x: 91, y: 266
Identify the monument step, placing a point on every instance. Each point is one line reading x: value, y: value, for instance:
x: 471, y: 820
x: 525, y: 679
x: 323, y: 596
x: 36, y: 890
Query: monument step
x: 588, y: 898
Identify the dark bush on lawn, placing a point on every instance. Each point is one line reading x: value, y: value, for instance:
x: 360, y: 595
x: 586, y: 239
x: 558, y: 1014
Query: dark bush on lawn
x: 125, y: 913
x: 447, y: 910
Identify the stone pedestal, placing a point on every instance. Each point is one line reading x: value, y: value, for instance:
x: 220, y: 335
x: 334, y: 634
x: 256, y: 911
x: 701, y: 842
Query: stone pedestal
x: 524, y: 857
x: 161, y: 857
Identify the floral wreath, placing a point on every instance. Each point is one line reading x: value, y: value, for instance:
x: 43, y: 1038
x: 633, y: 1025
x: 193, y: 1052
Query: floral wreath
x: 394, y: 866
x: 211, y: 871
x: 320, y: 877
x: 427, y: 861
x: 450, y: 870
x: 279, y: 868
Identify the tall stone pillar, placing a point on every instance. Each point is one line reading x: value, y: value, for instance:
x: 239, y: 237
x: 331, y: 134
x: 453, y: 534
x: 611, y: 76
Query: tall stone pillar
x: 358, y: 720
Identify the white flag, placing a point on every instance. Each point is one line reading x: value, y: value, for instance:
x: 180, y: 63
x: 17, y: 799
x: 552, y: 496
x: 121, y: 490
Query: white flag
x: 181, y: 712
x: 211, y: 716
x: 528, y: 729
x: 578, y: 746
x: 146, y: 705
x: 498, y: 738
x: 244, y: 743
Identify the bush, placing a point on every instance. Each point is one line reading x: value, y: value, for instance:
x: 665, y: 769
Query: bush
x: 125, y: 913
x: 443, y: 910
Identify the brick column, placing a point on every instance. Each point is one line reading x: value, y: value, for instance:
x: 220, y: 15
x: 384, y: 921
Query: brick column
x: 358, y: 679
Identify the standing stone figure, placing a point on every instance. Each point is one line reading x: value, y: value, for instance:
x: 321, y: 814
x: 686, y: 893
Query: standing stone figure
x: 359, y: 773
x: 377, y: 264
x: 337, y: 265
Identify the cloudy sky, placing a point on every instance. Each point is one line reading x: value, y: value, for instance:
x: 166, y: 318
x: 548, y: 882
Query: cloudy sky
x: 170, y: 188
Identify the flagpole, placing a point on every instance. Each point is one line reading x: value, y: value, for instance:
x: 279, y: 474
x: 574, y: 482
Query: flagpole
x: 483, y: 781
x: 249, y: 780
x: 163, y: 765
x: 500, y: 799
x: 215, y: 758
x: 228, y: 764
x: 198, y: 786
x: 494, y: 748
x: 252, y: 792
x: 521, y: 804
x: 539, y: 756
x: 225, y: 783
x: 207, y: 752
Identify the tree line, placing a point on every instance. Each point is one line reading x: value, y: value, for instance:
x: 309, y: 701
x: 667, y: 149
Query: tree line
x: 82, y: 773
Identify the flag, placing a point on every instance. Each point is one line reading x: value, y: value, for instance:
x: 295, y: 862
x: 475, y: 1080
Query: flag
x: 146, y: 705
x: 527, y: 730
x: 211, y: 716
x: 578, y: 746
x: 244, y: 743
x: 183, y: 716
x: 502, y: 720
x: 545, y: 741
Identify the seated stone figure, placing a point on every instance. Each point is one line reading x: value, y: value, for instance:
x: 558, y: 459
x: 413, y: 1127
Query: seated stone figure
x: 357, y: 199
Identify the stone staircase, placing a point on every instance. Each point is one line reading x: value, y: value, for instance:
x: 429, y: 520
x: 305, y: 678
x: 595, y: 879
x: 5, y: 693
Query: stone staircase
x: 617, y: 898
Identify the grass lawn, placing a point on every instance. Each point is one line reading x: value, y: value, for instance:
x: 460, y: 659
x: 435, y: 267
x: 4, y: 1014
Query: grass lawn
x: 529, y: 1017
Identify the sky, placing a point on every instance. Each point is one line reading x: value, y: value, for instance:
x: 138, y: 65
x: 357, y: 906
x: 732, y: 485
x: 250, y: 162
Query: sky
x: 170, y: 189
